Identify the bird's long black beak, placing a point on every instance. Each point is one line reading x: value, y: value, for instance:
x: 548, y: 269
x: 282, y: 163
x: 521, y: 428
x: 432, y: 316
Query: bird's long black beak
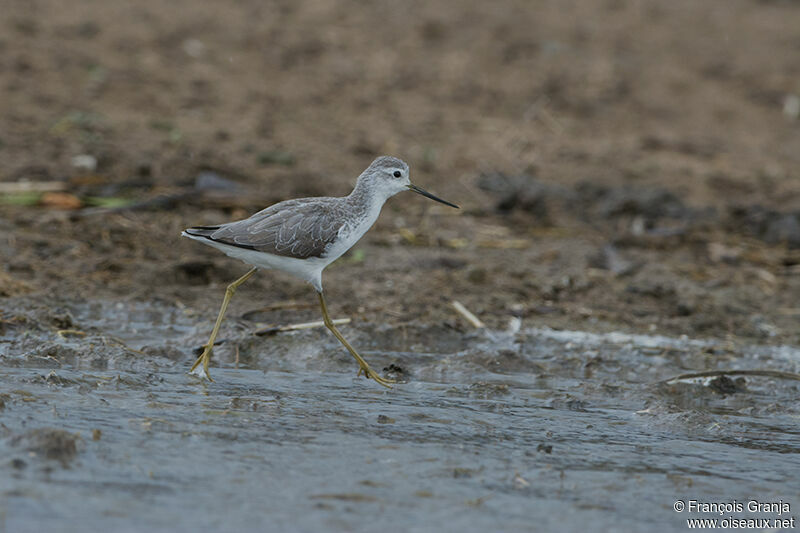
x: 425, y: 193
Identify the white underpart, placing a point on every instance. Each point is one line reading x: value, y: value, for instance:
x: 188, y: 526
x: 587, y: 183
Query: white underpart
x: 309, y: 269
x: 351, y: 233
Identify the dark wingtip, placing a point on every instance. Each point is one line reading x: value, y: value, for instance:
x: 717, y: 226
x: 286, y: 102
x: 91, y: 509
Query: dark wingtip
x: 207, y: 231
x: 200, y: 231
x: 204, y: 228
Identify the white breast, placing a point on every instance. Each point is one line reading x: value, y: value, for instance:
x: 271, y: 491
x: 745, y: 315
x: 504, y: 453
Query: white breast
x: 352, y: 231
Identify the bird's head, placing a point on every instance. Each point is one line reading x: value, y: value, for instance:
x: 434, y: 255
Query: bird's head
x: 389, y: 175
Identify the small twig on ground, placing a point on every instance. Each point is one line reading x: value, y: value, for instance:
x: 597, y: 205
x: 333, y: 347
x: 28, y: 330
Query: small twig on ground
x: 712, y: 373
x: 468, y: 316
x: 64, y: 333
x: 160, y: 202
x: 17, y: 187
x: 271, y: 330
x: 505, y: 244
x: 120, y: 342
x: 278, y: 306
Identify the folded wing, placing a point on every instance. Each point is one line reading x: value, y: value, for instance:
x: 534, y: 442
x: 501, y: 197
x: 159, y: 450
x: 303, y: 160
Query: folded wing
x: 295, y: 228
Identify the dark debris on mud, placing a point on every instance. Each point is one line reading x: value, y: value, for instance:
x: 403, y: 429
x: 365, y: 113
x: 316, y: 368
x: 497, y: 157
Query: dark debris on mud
x: 48, y: 443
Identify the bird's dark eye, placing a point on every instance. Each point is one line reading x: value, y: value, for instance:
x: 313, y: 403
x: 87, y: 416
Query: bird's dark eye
x: 397, y: 174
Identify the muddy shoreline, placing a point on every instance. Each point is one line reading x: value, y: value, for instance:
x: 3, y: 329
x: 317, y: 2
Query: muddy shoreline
x: 513, y: 428
x: 627, y: 173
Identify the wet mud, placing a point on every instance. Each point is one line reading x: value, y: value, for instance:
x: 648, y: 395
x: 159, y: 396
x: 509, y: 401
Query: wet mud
x: 492, y: 429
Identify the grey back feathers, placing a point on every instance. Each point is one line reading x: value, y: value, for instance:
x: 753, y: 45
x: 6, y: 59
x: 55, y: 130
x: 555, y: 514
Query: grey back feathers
x: 295, y: 228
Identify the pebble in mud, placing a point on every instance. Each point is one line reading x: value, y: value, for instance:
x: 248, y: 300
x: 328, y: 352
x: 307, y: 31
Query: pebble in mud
x: 725, y: 385
x: 51, y: 354
x: 54, y: 379
x: 609, y: 258
x: 770, y: 225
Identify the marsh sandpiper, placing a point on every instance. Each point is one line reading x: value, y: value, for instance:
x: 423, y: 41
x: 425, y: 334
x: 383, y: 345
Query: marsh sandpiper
x: 303, y: 236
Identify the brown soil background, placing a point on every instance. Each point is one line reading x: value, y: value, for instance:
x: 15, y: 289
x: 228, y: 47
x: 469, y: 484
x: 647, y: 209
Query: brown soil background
x: 588, y: 108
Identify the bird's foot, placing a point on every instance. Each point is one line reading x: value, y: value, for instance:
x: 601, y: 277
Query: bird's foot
x: 200, y: 367
x: 371, y: 374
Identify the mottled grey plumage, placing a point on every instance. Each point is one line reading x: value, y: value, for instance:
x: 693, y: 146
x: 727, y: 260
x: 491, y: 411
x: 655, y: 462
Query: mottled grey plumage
x: 295, y: 228
x: 302, y: 228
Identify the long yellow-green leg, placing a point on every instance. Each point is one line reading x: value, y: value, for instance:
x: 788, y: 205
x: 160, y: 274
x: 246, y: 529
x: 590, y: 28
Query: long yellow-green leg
x: 206, y: 356
x: 363, y: 366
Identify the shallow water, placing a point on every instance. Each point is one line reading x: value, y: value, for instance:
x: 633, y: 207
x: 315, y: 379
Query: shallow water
x: 509, y: 430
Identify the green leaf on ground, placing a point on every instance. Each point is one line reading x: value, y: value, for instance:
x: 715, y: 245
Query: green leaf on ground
x: 21, y: 199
